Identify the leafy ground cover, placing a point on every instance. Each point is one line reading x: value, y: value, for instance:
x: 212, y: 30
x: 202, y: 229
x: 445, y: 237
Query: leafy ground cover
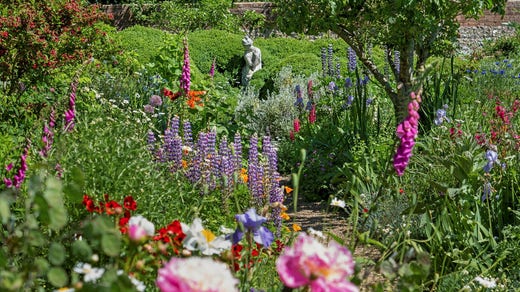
x: 146, y: 166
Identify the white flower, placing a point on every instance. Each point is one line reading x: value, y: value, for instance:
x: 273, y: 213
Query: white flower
x: 143, y: 223
x: 139, y: 286
x: 486, y: 282
x: 337, y: 203
x: 90, y: 274
x: 316, y: 233
x: 198, y: 238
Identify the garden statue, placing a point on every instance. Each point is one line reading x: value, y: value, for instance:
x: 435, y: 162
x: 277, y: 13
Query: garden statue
x: 253, y: 58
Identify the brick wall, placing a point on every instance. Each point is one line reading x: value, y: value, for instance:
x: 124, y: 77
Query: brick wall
x: 490, y: 19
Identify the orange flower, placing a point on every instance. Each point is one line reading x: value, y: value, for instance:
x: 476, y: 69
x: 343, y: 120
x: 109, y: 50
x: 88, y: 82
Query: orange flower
x: 285, y: 216
x: 184, y: 164
x: 296, y: 227
x: 288, y: 190
x: 243, y: 175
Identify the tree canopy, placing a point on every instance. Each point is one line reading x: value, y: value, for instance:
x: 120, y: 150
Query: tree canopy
x: 414, y: 28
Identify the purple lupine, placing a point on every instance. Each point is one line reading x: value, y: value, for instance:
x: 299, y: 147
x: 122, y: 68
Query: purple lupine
x: 194, y: 172
x: 397, y: 61
x: 174, y: 125
x: 237, y: 157
x: 330, y: 53
x: 226, y: 167
x: 255, y: 172
x: 338, y: 68
x: 275, y: 191
x: 212, y: 69
x: 70, y: 113
x: 407, y: 132
x: 324, y: 61
x: 177, y: 153
x: 299, y: 99
x: 212, y: 159
x: 151, y: 142
x: 168, y: 144
x: 187, y: 134
x: 185, y: 80
x: 352, y: 59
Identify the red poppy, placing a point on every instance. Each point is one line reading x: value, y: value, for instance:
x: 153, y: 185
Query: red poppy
x: 129, y: 203
x: 112, y: 207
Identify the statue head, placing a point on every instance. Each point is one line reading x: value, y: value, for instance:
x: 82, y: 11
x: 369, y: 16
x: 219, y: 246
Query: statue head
x: 247, y: 42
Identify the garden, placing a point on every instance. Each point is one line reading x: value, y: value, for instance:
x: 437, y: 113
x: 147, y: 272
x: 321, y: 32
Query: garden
x: 139, y: 160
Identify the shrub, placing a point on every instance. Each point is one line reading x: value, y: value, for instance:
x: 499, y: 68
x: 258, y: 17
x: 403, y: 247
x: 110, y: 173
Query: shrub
x: 145, y: 42
x: 39, y: 37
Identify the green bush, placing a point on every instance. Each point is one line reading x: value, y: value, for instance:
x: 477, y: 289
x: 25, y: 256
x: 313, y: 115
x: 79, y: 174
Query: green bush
x: 225, y: 47
x: 145, y: 42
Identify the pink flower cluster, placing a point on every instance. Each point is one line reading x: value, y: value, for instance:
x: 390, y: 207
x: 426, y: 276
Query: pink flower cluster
x: 186, y: 75
x: 70, y: 114
x: 407, y: 132
x: 48, y: 135
x: 19, y: 177
x: 308, y: 263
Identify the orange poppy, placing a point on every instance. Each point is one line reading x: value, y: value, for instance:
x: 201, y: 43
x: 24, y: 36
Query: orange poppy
x: 296, y: 227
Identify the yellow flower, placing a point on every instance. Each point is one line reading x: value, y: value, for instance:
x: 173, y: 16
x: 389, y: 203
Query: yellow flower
x: 296, y: 227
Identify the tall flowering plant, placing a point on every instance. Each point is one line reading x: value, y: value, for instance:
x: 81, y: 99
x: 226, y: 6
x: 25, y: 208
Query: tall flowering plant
x: 407, y: 132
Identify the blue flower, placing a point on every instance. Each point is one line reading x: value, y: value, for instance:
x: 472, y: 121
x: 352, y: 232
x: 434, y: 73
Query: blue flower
x: 332, y: 86
x: 252, y: 222
x: 441, y: 117
x: 348, y: 82
x: 369, y: 101
x: 492, y: 158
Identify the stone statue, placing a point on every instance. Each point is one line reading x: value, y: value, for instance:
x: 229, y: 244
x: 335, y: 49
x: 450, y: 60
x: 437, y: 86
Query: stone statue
x: 253, y: 58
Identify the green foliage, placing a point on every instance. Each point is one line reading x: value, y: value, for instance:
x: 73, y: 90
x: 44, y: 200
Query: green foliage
x: 182, y: 16
x: 145, y: 42
x: 223, y: 47
x: 415, y: 29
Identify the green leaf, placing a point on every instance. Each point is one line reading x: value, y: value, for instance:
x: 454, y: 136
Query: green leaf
x: 81, y: 249
x: 42, y: 265
x: 3, y: 258
x: 57, y: 254
x: 5, y: 213
x: 74, y: 189
x: 54, y: 196
x: 57, y: 277
x: 111, y: 244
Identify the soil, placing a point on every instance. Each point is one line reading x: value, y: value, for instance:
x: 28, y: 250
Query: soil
x: 320, y: 217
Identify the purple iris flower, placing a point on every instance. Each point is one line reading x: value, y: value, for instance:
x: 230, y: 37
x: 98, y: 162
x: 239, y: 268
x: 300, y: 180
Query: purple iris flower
x: 252, y: 222
x: 492, y: 158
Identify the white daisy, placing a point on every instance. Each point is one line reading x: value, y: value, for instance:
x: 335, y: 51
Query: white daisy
x: 90, y: 274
